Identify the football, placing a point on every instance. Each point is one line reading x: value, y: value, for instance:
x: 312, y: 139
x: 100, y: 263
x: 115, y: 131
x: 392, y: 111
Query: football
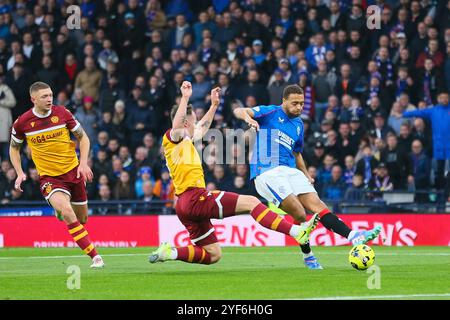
x: 361, y: 257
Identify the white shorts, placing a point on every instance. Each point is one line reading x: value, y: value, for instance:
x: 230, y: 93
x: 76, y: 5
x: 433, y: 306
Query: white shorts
x: 278, y: 183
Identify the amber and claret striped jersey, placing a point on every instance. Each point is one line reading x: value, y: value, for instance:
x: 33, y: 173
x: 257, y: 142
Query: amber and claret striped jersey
x: 48, y: 136
x: 183, y: 162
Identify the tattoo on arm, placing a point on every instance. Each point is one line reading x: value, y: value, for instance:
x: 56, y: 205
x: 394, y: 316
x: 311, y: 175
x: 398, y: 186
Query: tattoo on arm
x: 15, y: 144
x: 206, y: 124
x: 79, y: 133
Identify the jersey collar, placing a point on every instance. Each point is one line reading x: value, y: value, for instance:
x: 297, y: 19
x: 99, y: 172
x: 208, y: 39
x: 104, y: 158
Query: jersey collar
x: 41, y: 115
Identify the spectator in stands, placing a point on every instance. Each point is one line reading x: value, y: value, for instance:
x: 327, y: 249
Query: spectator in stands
x: 144, y: 175
x: 164, y: 188
x: 366, y: 165
x: 431, y: 81
x: 345, y: 84
x: 89, y: 79
x: 349, y: 171
x: 123, y: 188
x: 101, y: 143
x: 254, y: 88
x: 316, y: 52
x: 276, y: 87
x: 397, y: 163
x: 405, y: 137
x: 323, y: 84
x: 111, y: 94
x: 447, y: 67
x: 140, y: 120
x: 7, y: 102
x: 381, y: 129
x: 316, y: 159
x: 32, y: 186
x: 396, y: 119
x: 88, y: 117
x: 335, y: 188
x: 380, y: 182
x: 6, y: 190
x: 324, y: 172
x: 102, y: 164
x: 357, y: 191
x: 439, y: 116
x: 431, y: 52
x: 19, y: 82
x: 148, y: 198
x: 420, y: 167
x: 200, y: 89
x: 104, y: 196
x: 221, y: 179
x: 49, y: 74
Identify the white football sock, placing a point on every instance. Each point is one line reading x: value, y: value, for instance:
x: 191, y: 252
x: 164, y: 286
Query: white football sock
x: 295, y: 230
x: 351, y: 234
x: 173, y: 254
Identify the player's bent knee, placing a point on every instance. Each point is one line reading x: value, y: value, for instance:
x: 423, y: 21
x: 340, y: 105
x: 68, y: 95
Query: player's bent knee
x: 252, y: 201
x: 83, y: 220
x: 215, y: 258
x: 215, y: 252
x: 299, y: 215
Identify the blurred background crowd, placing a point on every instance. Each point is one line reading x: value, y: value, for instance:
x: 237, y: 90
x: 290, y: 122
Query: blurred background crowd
x: 377, y: 115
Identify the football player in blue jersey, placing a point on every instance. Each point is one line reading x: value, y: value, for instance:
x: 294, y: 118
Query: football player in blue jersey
x: 280, y: 172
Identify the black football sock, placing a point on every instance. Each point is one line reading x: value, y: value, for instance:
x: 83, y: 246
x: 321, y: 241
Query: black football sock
x: 333, y: 223
x: 306, y: 249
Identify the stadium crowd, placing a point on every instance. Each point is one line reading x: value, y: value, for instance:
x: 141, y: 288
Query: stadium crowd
x: 120, y: 74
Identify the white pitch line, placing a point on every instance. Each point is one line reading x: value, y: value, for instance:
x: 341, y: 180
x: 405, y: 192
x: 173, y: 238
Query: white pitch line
x: 234, y: 253
x: 395, y: 296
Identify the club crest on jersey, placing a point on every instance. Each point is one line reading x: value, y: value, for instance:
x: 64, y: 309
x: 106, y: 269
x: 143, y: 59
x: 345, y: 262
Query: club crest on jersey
x: 54, y: 119
x: 32, y: 124
x: 47, y: 187
x: 281, y: 120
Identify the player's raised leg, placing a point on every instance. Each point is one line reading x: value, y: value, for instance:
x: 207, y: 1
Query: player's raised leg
x: 279, y: 187
x: 60, y: 201
x: 311, y: 201
x: 269, y: 219
x: 292, y: 206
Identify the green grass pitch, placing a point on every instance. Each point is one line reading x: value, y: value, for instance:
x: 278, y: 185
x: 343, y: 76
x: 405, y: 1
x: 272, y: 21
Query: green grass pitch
x: 243, y: 273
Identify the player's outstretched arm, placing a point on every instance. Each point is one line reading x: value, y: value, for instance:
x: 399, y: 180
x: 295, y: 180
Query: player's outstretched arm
x: 205, y: 123
x: 85, y: 144
x: 14, y: 155
x: 247, y: 115
x: 301, y: 165
x: 177, y: 132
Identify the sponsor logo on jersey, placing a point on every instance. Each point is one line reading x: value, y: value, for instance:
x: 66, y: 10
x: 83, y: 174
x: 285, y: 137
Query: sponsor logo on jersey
x: 43, y: 137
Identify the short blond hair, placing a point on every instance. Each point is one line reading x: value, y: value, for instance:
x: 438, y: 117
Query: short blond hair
x: 39, y: 85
